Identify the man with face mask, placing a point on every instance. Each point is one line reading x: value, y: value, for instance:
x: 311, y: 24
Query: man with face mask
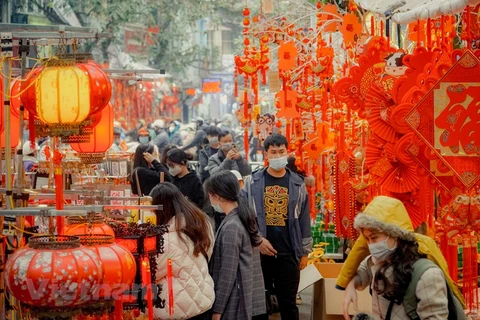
x: 280, y: 200
x: 118, y: 145
x: 209, y: 150
x: 228, y: 157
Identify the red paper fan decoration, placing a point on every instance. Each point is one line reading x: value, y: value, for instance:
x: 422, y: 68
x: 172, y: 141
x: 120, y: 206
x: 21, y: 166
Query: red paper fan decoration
x: 352, y: 89
x: 415, y: 66
x: 378, y: 109
x: 377, y: 149
x: 397, y: 118
x: 401, y: 179
x: 401, y: 150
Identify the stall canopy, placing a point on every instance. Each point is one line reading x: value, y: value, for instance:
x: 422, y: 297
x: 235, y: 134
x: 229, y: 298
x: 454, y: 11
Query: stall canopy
x: 408, y: 11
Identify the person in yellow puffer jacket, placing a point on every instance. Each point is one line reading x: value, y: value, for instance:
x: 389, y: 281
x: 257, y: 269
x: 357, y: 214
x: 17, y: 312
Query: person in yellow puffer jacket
x: 392, y: 211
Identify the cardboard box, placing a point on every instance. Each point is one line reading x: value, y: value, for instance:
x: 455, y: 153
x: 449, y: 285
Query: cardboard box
x: 327, y: 301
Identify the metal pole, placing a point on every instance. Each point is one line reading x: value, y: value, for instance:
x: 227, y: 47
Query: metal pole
x: 8, y: 174
x: 7, y: 128
x: 21, y: 172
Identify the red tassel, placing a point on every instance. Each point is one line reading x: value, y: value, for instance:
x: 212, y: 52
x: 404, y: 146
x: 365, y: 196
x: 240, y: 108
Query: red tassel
x: 288, y: 132
x: 59, y: 197
x: 452, y: 258
x: 147, y: 281
x: 468, y: 37
x: 171, y: 301
x: 31, y: 127
x: 245, y: 143
x: 429, y: 35
x: 118, y: 309
x: 245, y: 99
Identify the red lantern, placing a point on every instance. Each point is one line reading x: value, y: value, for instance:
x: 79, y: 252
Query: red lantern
x: 14, y: 128
x: 53, y: 271
x: 100, y: 86
x: 118, y: 263
x: 80, y: 225
x: 29, y: 96
x: 100, y: 140
x: 15, y: 101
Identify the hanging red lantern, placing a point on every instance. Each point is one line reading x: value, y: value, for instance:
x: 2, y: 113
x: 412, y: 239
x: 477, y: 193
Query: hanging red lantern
x: 29, y: 96
x: 100, y: 86
x: 79, y: 225
x: 53, y: 272
x: 15, y: 101
x: 118, y: 264
x: 14, y: 128
x: 101, y: 138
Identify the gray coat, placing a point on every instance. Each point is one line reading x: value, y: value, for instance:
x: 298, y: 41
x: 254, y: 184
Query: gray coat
x: 232, y: 266
x: 259, y: 305
x: 218, y: 163
x: 161, y: 140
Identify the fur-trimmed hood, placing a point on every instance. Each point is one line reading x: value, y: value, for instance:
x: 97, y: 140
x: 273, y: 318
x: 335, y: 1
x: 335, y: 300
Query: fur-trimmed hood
x: 386, y: 215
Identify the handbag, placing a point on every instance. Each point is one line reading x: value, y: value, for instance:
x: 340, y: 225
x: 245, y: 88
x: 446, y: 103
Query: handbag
x: 272, y: 303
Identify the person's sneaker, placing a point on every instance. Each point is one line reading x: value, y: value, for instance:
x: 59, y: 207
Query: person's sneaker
x: 299, y: 300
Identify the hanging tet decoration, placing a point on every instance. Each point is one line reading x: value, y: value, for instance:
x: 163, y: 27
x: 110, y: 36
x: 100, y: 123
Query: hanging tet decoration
x: 101, y: 138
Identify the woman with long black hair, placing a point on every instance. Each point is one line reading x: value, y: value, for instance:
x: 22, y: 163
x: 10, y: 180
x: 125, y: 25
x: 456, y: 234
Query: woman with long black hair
x: 146, y: 170
x: 235, y: 264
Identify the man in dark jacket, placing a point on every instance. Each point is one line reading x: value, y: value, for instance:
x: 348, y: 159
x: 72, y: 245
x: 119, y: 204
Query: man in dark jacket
x: 209, y: 150
x: 280, y: 200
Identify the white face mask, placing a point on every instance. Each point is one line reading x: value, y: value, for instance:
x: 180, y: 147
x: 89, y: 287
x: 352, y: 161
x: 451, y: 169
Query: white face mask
x: 380, y: 250
x: 217, y: 208
x: 226, y: 147
x: 174, y: 171
x: 117, y: 141
x: 278, y: 164
x: 213, y: 140
x: 171, y: 128
x: 143, y: 139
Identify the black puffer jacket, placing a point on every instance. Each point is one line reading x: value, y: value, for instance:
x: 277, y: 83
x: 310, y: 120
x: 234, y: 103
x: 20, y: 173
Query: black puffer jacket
x: 191, y: 187
x: 148, y: 178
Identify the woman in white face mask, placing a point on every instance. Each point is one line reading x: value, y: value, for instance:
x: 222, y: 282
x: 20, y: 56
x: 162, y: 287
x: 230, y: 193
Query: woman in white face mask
x: 184, y: 178
x: 389, y: 271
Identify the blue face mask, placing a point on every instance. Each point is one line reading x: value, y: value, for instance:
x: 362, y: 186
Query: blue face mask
x: 143, y: 139
x: 380, y: 250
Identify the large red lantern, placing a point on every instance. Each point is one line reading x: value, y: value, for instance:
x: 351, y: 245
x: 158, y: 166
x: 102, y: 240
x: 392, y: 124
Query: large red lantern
x: 14, y: 128
x: 100, y: 86
x: 101, y: 138
x: 81, y: 225
x: 53, y: 272
x: 118, y: 263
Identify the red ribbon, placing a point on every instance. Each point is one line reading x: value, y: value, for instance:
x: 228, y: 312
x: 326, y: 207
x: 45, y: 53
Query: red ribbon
x: 171, y: 308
